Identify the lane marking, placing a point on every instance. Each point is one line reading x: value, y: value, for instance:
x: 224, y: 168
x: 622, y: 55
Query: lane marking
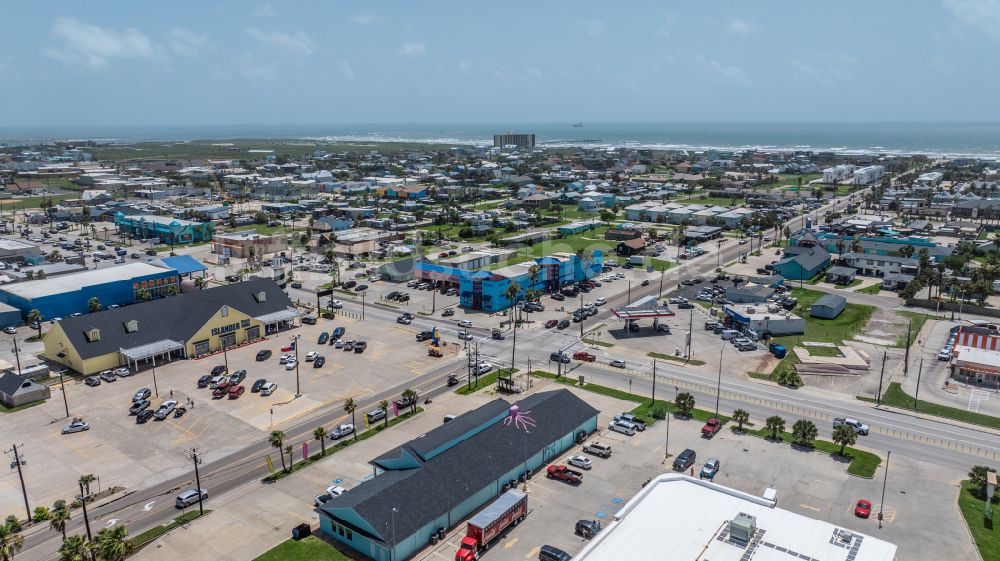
x: 510, y: 543
x: 148, y: 506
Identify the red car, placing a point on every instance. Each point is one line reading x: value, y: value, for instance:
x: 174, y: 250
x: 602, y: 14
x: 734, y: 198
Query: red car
x: 443, y: 254
x: 220, y: 391
x: 584, y: 356
x: 236, y: 391
x: 551, y: 323
x: 863, y: 509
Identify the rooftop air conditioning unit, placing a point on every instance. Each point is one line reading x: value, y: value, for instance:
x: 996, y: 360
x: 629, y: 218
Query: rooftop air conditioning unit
x: 742, y: 527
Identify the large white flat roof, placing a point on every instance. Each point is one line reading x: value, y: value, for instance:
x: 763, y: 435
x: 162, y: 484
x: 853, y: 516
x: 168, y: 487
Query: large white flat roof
x: 690, y: 519
x: 73, y: 282
x: 977, y: 355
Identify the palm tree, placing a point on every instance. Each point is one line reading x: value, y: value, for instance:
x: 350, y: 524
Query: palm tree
x: 113, y: 543
x: 775, y: 425
x: 172, y: 290
x: 143, y: 294
x: 200, y: 283
x: 804, y: 431
x: 60, y: 516
x: 320, y: 435
x: 411, y: 396
x: 291, y: 461
x: 10, y: 540
x: 533, y: 273
x: 74, y: 548
x: 978, y: 475
x: 840, y: 247
x: 87, y: 479
x: 384, y: 406
x: 94, y: 305
x: 741, y: 417
x: 845, y: 436
x: 35, y: 317
x: 277, y: 439
x: 684, y: 403
x: 350, y: 407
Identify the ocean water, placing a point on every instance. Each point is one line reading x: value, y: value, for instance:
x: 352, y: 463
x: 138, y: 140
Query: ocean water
x: 953, y: 139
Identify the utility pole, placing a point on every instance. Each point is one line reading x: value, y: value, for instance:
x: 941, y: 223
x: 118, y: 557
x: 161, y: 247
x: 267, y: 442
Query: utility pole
x: 662, y: 272
x: 690, y: 334
x: 653, y: 397
x: 906, y: 359
x: 295, y: 347
x: 629, y: 302
x: 581, y: 316
x: 17, y: 358
x: 718, y: 388
x: 225, y: 357
x: 62, y: 388
x: 433, y: 301
x: 20, y: 475
x: 86, y: 519
x: 197, y: 480
x: 156, y: 390
x: 916, y: 396
x: 878, y: 398
x: 363, y: 305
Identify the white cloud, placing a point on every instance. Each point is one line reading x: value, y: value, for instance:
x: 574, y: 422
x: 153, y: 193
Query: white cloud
x: 593, y: 27
x: 365, y: 19
x: 732, y: 75
x: 740, y: 27
x: 93, y: 46
x: 188, y: 43
x: 983, y: 15
x: 265, y: 10
x: 828, y: 68
x: 412, y: 49
x: 297, y: 42
x: 255, y: 69
x: 346, y: 70
x: 534, y: 72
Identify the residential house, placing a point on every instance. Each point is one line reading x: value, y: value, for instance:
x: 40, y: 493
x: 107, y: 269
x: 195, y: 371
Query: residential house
x: 802, y: 262
x: 881, y: 265
x: 16, y: 390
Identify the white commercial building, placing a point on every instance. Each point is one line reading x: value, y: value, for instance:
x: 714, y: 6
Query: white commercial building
x: 837, y: 173
x: 868, y: 174
x: 681, y: 518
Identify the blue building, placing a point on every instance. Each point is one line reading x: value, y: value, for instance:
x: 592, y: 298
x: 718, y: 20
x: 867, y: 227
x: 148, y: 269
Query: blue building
x: 802, y: 262
x: 168, y: 230
x: 439, y: 479
x: 874, y: 245
x: 64, y: 295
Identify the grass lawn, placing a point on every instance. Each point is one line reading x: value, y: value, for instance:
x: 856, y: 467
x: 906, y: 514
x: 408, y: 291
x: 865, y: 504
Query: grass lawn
x: 985, y: 532
x: 895, y: 396
x: 662, y: 356
x: 265, y: 230
x: 311, y: 548
x: 485, y: 381
x: 873, y: 289
x: 5, y: 409
x: 917, y: 321
x: 824, y: 351
x: 21, y: 203
x: 151, y: 534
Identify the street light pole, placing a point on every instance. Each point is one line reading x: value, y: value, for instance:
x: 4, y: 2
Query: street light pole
x: 62, y: 387
x: 653, y: 397
x: 718, y: 387
x: 916, y: 396
x: 392, y: 553
x: 878, y: 398
x: 888, y: 454
x: 295, y: 347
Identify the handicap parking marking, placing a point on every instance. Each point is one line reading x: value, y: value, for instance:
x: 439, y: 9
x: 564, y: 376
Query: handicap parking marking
x: 601, y: 514
x: 617, y: 500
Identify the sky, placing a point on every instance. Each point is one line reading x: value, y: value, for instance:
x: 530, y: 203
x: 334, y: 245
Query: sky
x: 104, y: 63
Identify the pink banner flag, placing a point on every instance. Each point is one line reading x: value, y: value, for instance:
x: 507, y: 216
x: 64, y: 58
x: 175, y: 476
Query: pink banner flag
x: 395, y: 409
x: 305, y: 450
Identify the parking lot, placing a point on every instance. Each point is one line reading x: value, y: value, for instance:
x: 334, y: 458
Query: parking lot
x: 128, y: 454
x: 809, y: 483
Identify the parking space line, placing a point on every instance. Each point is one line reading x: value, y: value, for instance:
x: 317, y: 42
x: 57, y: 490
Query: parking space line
x: 810, y: 507
x: 534, y: 551
x: 69, y: 442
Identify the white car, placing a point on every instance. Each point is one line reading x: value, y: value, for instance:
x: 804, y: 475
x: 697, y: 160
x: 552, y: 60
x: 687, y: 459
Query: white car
x: 464, y: 323
x: 618, y: 363
x: 122, y: 372
x: 341, y: 431
x: 623, y: 427
x: 335, y: 491
x: 283, y: 359
x: 336, y: 304
x: 166, y: 408
x: 483, y: 368
x: 944, y: 354
x: 677, y: 300
x: 464, y: 335
x: 76, y: 426
x: 290, y: 365
x: 582, y: 462
x: 268, y: 388
x: 601, y: 301
x: 311, y: 356
x: 339, y: 344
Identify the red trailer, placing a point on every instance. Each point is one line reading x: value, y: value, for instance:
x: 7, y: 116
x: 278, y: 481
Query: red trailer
x: 509, y: 509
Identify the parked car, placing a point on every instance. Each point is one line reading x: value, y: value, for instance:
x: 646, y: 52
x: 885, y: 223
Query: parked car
x: 685, y: 306
x: 598, y: 449
x: 710, y: 469
x: 78, y: 425
x: 144, y: 416
x: 220, y: 391
x: 142, y: 394
x: 587, y: 529
x: 685, y: 459
x: 204, y: 381
x: 108, y: 376
x: 375, y: 415
x: 138, y: 406
x: 863, y: 508
x: 601, y: 301
x: 257, y: 385
x: 166, y: 408
x: 623, y: 427
x: 311, y: 356
x: 563, y: 473
x: 236, y: 391
x: 337, y: 333
x: 237, y: 377
x: 582, y: 462
x: 290, y: 365
x: 219, y: 370
x: 319, y: 362
x: 551, y: 323
x: 360, y: 346
x: 640, y: 425
x: 122, y: 372
x: 92, y: 381
x: 448, y: 312
x: 558, y: 356
x: 337, y: 304
x: 263, y: 355
x: 711, y: 427
x: 323, y: 338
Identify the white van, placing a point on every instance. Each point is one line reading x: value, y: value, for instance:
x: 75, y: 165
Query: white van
x: 319, y: 268
x: 728, y: 334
